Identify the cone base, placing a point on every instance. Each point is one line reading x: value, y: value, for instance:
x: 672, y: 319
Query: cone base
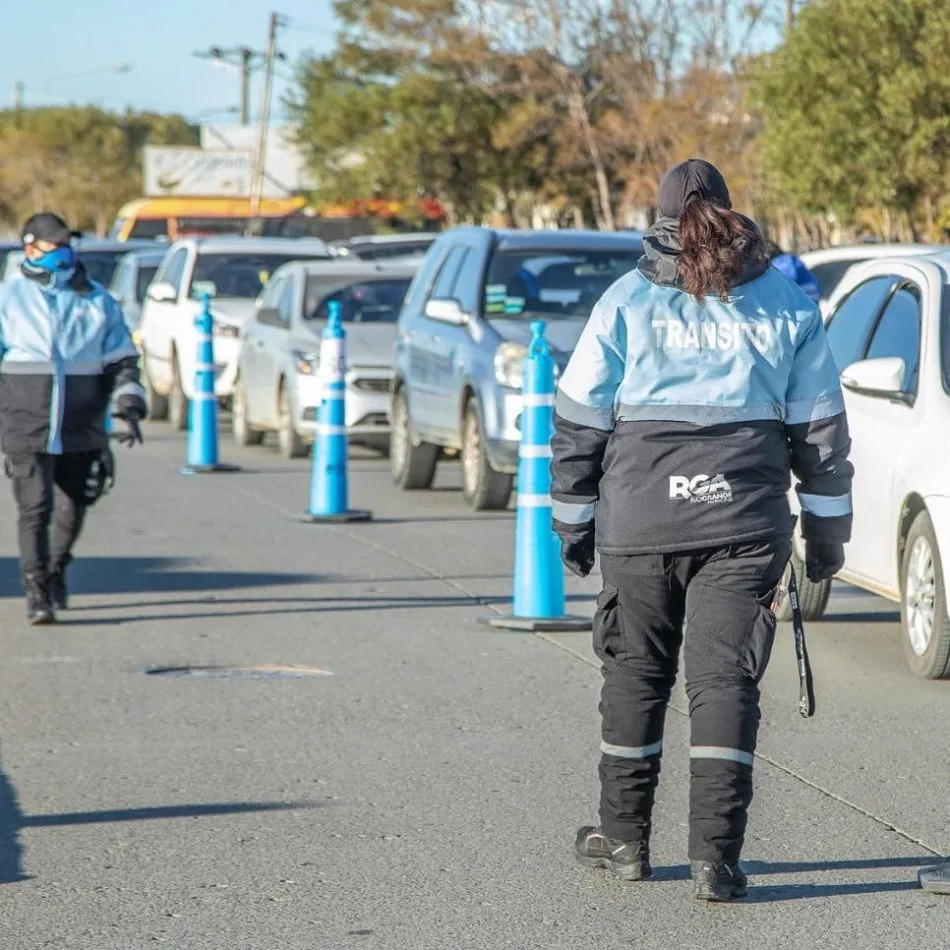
x: 538, y: 624
x: 357, y: 514
x: 208, y: 469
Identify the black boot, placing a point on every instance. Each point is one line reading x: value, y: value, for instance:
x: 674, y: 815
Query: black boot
x: 718, y: 882
x: 629, y: 861
x: 58, y: 594
x: 39, y: 609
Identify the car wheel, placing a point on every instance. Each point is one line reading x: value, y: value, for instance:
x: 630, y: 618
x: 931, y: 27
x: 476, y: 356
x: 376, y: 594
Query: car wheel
x: 157, y: 403
x: 812, y: 597
x: 177, y: 400
x: 288, y: 439
x: 484, y: 488
x: 412, y: 466
x: 240, y: 429
x: 924, y: 618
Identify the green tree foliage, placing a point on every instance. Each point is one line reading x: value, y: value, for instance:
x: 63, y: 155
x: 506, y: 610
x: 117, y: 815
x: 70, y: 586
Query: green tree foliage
x: 856, y: 110
x: 82, y: 162
x: 570, y: 106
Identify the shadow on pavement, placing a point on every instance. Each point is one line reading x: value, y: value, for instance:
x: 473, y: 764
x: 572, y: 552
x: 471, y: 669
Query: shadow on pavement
x: 11, y: 820
x: 881, y: 616
x: 794, y: 892
x: 132, y: 575
x: 160, y: 811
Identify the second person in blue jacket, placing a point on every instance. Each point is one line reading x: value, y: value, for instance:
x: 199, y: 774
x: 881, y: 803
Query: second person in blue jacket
x: 702, y: 380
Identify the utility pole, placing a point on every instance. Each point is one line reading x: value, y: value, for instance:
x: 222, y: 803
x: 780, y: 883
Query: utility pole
x: 257, y: 185
x: 241, y: 59
x: 789, y: 16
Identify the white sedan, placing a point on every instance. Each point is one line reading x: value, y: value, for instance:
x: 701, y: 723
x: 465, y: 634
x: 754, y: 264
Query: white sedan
x: 889, y: 330
x: 278, y: 388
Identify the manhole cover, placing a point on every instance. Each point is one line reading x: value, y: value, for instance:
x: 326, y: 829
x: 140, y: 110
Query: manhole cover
x: 238, y: 672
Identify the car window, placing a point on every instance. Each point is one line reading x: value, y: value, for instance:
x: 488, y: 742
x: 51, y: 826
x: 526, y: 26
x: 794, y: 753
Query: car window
x: 145, y: 275
x: 445, y: 281
x: 851, y: 323
x: 898, y: 333
x: 552, y: 283
x: 367, y: 301
x: 830, y: 273
x: 120, y: 280
x: 174, y: 269
x: 100, y: 265
x: 241, y: 275
x: 285, y: 303
x: 468, y: 283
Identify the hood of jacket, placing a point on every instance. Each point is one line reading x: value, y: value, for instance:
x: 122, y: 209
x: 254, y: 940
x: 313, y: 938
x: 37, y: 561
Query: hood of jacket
x: 661, y: 250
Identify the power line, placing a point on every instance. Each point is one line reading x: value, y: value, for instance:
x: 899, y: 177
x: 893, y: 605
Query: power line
x: 243, y: 60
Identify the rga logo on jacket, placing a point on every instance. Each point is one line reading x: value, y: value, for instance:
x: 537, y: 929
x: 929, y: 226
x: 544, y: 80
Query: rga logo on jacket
x: 701, y: 489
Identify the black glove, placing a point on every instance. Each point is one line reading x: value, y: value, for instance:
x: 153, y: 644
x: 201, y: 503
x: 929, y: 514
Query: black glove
x: 134, y: 434
x: 823, y: 560
x: 578, y: 554
x: 130, y: 404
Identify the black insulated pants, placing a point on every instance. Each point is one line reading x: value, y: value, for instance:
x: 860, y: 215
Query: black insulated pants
x: 49, y: 490
x: 721, y: 599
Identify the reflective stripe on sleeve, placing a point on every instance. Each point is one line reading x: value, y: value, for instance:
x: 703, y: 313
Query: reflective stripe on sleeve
x: 826, y: 506
x: 572, y: 513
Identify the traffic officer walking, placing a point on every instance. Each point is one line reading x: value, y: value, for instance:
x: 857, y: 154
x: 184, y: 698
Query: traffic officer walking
x: 702, y: 378
x: 65, y: 352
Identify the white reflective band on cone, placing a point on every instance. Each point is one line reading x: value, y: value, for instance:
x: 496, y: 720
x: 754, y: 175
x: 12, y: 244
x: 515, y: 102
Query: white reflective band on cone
x: 538, y: 399
x: 325, y: 428
x: 535, y: 452
x: 720, y: 752
x: 204, y: 397
x: 534, y: 501
x: 631, y: 751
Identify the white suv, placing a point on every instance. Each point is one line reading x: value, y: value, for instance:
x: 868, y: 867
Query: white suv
x: 889, y: 330
x: 233, y: 271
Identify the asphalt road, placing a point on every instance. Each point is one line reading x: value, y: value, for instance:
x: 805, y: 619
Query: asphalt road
x: 422, y: 788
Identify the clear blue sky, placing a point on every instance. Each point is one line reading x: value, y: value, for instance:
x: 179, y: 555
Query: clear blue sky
x: 60, y: 38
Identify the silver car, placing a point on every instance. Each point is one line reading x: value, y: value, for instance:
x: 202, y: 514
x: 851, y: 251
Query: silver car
x: 136, y: 270
x: 278, y: 386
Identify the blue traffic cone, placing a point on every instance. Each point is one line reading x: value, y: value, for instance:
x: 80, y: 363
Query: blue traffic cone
x: 539, y: 574
x: 328, y: 487
x: 203, y: 408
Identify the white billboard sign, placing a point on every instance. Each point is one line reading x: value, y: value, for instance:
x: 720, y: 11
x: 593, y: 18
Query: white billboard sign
x: 197, y: 172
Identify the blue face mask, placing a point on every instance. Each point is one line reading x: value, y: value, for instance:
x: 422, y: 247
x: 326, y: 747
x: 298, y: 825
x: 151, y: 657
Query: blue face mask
x: 59, y: 259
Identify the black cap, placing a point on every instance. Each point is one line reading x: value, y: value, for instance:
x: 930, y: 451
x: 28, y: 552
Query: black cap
x: 693, y: 178
x: 47, y: 226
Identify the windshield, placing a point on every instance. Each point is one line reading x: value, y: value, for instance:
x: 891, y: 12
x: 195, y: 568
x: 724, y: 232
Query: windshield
x: 366, y: 301
x: 375, y: 252
x: 552, y: 283
x: 239, y: 275
x: 145, y: 276
x: 829, y: 275
x: 100, y: 265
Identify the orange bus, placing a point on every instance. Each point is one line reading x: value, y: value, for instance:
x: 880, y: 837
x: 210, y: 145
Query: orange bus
x: 170, y: 218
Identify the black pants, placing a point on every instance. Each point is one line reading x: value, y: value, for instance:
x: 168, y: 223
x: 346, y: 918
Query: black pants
x: 720, y: 598
x: 49, y: 488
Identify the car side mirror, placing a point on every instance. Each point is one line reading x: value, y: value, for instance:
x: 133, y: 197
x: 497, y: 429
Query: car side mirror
x: 879, y: 377
x: 446, y: 310
x: 162, y: 292
x: 270, y: 317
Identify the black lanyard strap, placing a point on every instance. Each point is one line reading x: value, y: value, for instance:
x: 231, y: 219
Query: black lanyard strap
x: 806, y: 684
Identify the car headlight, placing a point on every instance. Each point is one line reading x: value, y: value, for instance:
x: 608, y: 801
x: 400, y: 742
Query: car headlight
x: 227, y: 330
x: 509, y: 370
x: 306, y: 363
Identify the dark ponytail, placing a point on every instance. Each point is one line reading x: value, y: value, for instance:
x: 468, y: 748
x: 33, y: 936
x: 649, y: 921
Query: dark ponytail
x: 716, y: 248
